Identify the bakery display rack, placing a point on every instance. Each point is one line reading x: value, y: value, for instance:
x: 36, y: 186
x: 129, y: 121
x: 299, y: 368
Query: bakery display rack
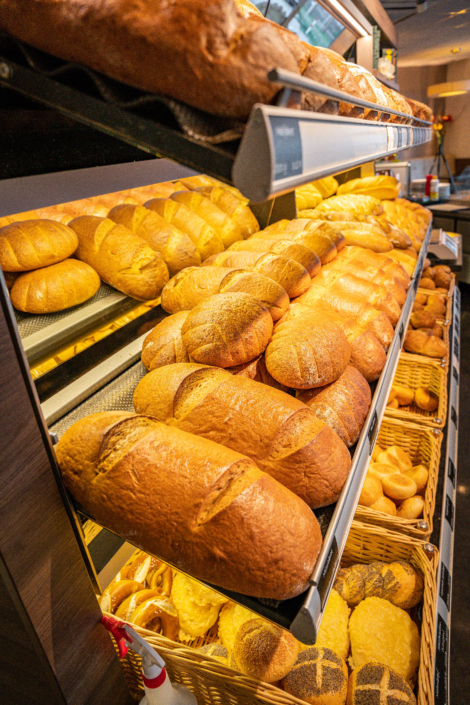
x: 277, y: 150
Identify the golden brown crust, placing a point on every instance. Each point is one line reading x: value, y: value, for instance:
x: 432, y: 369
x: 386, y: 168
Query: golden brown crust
x: 264, y: 650
x: 376, y: 683
x: 292, y: 250
x: 30, y: 244
x: 164, y: 344
x: 214, y: 514
x: 319, y: 677
x: 424, y: 343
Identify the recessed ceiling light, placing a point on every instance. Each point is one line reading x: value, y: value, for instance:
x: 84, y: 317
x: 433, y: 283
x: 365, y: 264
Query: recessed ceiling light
x: 456, y: 50
x: 441, y: 90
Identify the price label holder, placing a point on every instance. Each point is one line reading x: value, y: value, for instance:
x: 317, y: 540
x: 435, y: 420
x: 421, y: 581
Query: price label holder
x: 446, y: 544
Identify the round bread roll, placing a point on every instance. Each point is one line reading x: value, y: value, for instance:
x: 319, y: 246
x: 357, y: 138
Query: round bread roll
x: 55, y: 288
x: 411, y: 508
x: 403, y: 585
x: 377, y: 683
x: 399, y: 486
x: 427, y: 283
x: 385, y: 505
x: 371, y: 491
x: 217, y: 651
x: 426, y: 399
x: 381, y: 470
x: 319, y: 677
x: 265, y: 651
x: 394, y: 455
x: 227, y: 330
x: 420, y: 474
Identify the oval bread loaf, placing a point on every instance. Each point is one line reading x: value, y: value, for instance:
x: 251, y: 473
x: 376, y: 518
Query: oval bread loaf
x: 227, y: 330
x: 30, y: 244
x: 227, y: 228
x: 55, y: 288
x: 204, y: 508
x: 279, y: 433
x: 237, y: 209
x: 164, y: 344
x: 121, y: 258
x: 292, y: 250
x: 322, y: 245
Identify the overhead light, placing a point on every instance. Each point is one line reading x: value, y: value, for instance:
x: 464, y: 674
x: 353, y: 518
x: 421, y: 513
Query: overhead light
x: 444, y: 90
x: 348, y: 17
x: 456, y: 50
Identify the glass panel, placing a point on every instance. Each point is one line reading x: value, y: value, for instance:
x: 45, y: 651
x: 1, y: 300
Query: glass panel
x: 312, y: 23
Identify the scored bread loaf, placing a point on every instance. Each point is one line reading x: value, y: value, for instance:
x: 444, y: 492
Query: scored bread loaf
x: 306, y: 355
x: 320, y: 242
x: 194, y: 285
x: 256, y: 369
x: 293, y: 278
x: 205, y: 238
x: 233, y: 207
x: 227, y: 228
x: 321, y: 69
x: 30, y: 244
x: 346, y: 81
x: 374, y: 262
x: 164, y: 344
x: 206, y: 509
x: 328, y: 230
x: 279, y: 433
x: 176, y: 248
x: 227, y: 330
x: 121, y: 258
x: 424, y: 343
x: 292, y: 250
x: 378, y: 276
x: 54, y: 288
x: 343, y: 404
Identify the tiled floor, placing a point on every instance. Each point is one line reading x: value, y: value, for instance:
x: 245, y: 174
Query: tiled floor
x: 460, y: 627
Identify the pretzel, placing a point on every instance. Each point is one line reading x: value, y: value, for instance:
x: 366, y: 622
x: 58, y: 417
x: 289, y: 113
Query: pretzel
x: 116, y: 593
x: 158, y: 615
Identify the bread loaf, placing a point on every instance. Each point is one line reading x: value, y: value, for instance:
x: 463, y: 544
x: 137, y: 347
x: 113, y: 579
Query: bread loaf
x: 197, y: 505
x: 264, y: 650
x: 423, y: 343
x: 321, y: 69
x: 204, y: 237
x: 194, y: 285
x: 305, y: 226
x: 347, y: 83
x: 227, y: 229
x: 227, y: 330
x: 121, y: 258
x: 256, y: 369
x: 176, y: 248
x: 279, y: 433
x: 352, y: 203
x: 309, y: 355
x: 343, y: 404
x: 164, y: 344
x: 293, y: 278
x: 319, y: 677
x: 378, y: 186
x: 378, y: 276
x: 236, y: 209
x: 56, y: 287
x: 375, y: 262
x: 419, y: 110
x: 322, y: 244
x: 378, y: 95
x: 286, y: 248
x: 30, y: 244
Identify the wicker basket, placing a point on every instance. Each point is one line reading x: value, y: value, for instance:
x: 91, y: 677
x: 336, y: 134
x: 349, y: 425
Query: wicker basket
x: 415, y: 371
x: 449, y: 295
x: 423, y: 445
x: 216, y: 684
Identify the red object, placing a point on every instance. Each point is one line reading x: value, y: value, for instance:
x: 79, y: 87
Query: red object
x: 427, y: 190
x: 114, y: 626
x: 155, y: 682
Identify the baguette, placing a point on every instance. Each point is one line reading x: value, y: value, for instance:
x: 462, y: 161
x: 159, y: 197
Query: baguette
x: 343, y: 404
x: 233, y: 207
x: 418, y: 341
x: 289, y: 274
x: 193, y: 503
x: 227, y: 330
x: 286, y: 248
x: 278, y: 432
x: 164, y: 344
x: 194, y: 285
x: 227, y: 228
x: 55, y: 288
x: 30, y: 244
x: 122, y: 259
x: 203, y: 236
x: 176, y: 248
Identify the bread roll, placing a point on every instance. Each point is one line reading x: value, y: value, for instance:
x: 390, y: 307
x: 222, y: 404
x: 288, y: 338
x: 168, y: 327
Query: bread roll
x: 233, y: 207
x: 377, y: 683
x: 30, y: 244
x: 333, y: 633
x: 371, y: 491
x: 404, y: 395
x: 319, y: 677
x: 384, y: 505
x: 214, y: 513
x: 306, y: 356
x: 176, y: 248
x: 227, y: 229
x: 426, y: 400
x: 121, y: 258
x: 194, y: 285
x: 204, y: 237
x: 216, y: 651
x: 420, y: 474
x: 343, y: 404
x: 292, y: 250
x: 394, y: 455
x: 417, y: 341
x: 164, y: 344
x: 293, y: 278
x: 411, y: 508
x: 56, y: 287
x: 282, y: 436
x: 264, y: 650
x: 399, y: 486
x: 227, y: 330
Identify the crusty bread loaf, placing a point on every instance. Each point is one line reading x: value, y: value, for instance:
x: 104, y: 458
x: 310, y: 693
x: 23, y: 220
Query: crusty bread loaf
x: 374, y: 262
x: 306, y: 356
x: 233, y: 207
x: 30, y: 244
x: 256, y: 369
x: 363, y: 77
x: 85, y: 206
x: 205, y: 238
x: 121, y: 258
x: 343, y: 404
x: 56, y: 287
x: 321, y: 243
x: 10, y: 279
x: 278, y: 432
x: 319, y: 677
x: 419, y: 110
x: 346, y: 81
x: 320, y: 68
x: 176, y: 248
x: 164, y: 344
x: 193, y: 503
x: 227, y: 330
x: 378, y: 276
x: 398, y: 102
x: 286, y: 248
x: 194, y: 285
x: 424, y: 343
x: 264, y: 650
x: 227, y: 228
x: 326, y: 230
x: 293, y: 278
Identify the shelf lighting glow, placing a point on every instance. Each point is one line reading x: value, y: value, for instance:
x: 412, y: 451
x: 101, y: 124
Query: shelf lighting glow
x: 347, y: 16
x: 444, y: 90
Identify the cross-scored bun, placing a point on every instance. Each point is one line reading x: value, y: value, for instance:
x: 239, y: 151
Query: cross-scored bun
x: 319, y: 677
